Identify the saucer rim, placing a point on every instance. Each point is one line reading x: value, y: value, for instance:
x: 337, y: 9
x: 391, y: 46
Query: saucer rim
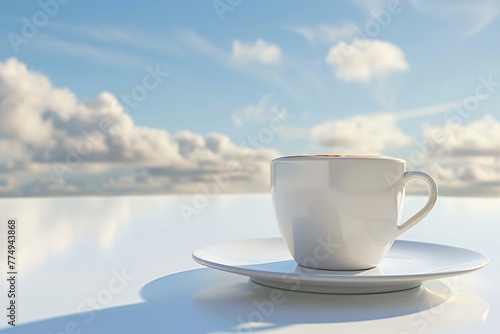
x: 482, y: 262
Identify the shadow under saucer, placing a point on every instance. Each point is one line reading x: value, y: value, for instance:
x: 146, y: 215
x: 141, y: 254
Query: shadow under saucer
x: 241, y: 305
x: 209, y: 301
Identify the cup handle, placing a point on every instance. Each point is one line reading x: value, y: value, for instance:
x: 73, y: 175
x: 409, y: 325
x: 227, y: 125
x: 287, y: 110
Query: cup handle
x: 433, y: 193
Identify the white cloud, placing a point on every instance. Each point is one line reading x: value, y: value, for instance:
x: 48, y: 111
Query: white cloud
x: 477, y: 173
x: 481, y: 15
x: 480, y: 138
x: 13, y: 156
x: 7, y: 184
x: 258, y: 52
x: 42, y: 124
x: 259, y: 113
x: 464, y: 159
x: 427, y: 111
x: 364, y: 60
x: 268, y: 74
x: 474, y: 16
x: 468, y: 178
x: 22, y: 117
x: 360, y: 134
x: 326, y: 34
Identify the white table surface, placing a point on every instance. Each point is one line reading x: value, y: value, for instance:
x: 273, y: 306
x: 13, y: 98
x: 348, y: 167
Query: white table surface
x: 123, y: 265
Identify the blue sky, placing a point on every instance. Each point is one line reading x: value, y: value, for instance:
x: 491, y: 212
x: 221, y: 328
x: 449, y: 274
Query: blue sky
x: 248, y: 62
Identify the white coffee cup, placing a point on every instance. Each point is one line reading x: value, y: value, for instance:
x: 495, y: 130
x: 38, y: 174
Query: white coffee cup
x: 341, y: 212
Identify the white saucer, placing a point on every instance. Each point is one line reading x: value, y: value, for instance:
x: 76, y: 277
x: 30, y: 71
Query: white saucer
x: 407, y: 265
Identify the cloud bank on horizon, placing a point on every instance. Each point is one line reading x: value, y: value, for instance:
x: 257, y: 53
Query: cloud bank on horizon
x: 67, y: 146
x: 234, y: 98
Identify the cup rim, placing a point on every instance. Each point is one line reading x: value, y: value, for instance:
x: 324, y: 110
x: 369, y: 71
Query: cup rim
x: 318, y: 157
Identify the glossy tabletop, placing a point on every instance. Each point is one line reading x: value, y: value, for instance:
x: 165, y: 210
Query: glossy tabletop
x: 123, y: 265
